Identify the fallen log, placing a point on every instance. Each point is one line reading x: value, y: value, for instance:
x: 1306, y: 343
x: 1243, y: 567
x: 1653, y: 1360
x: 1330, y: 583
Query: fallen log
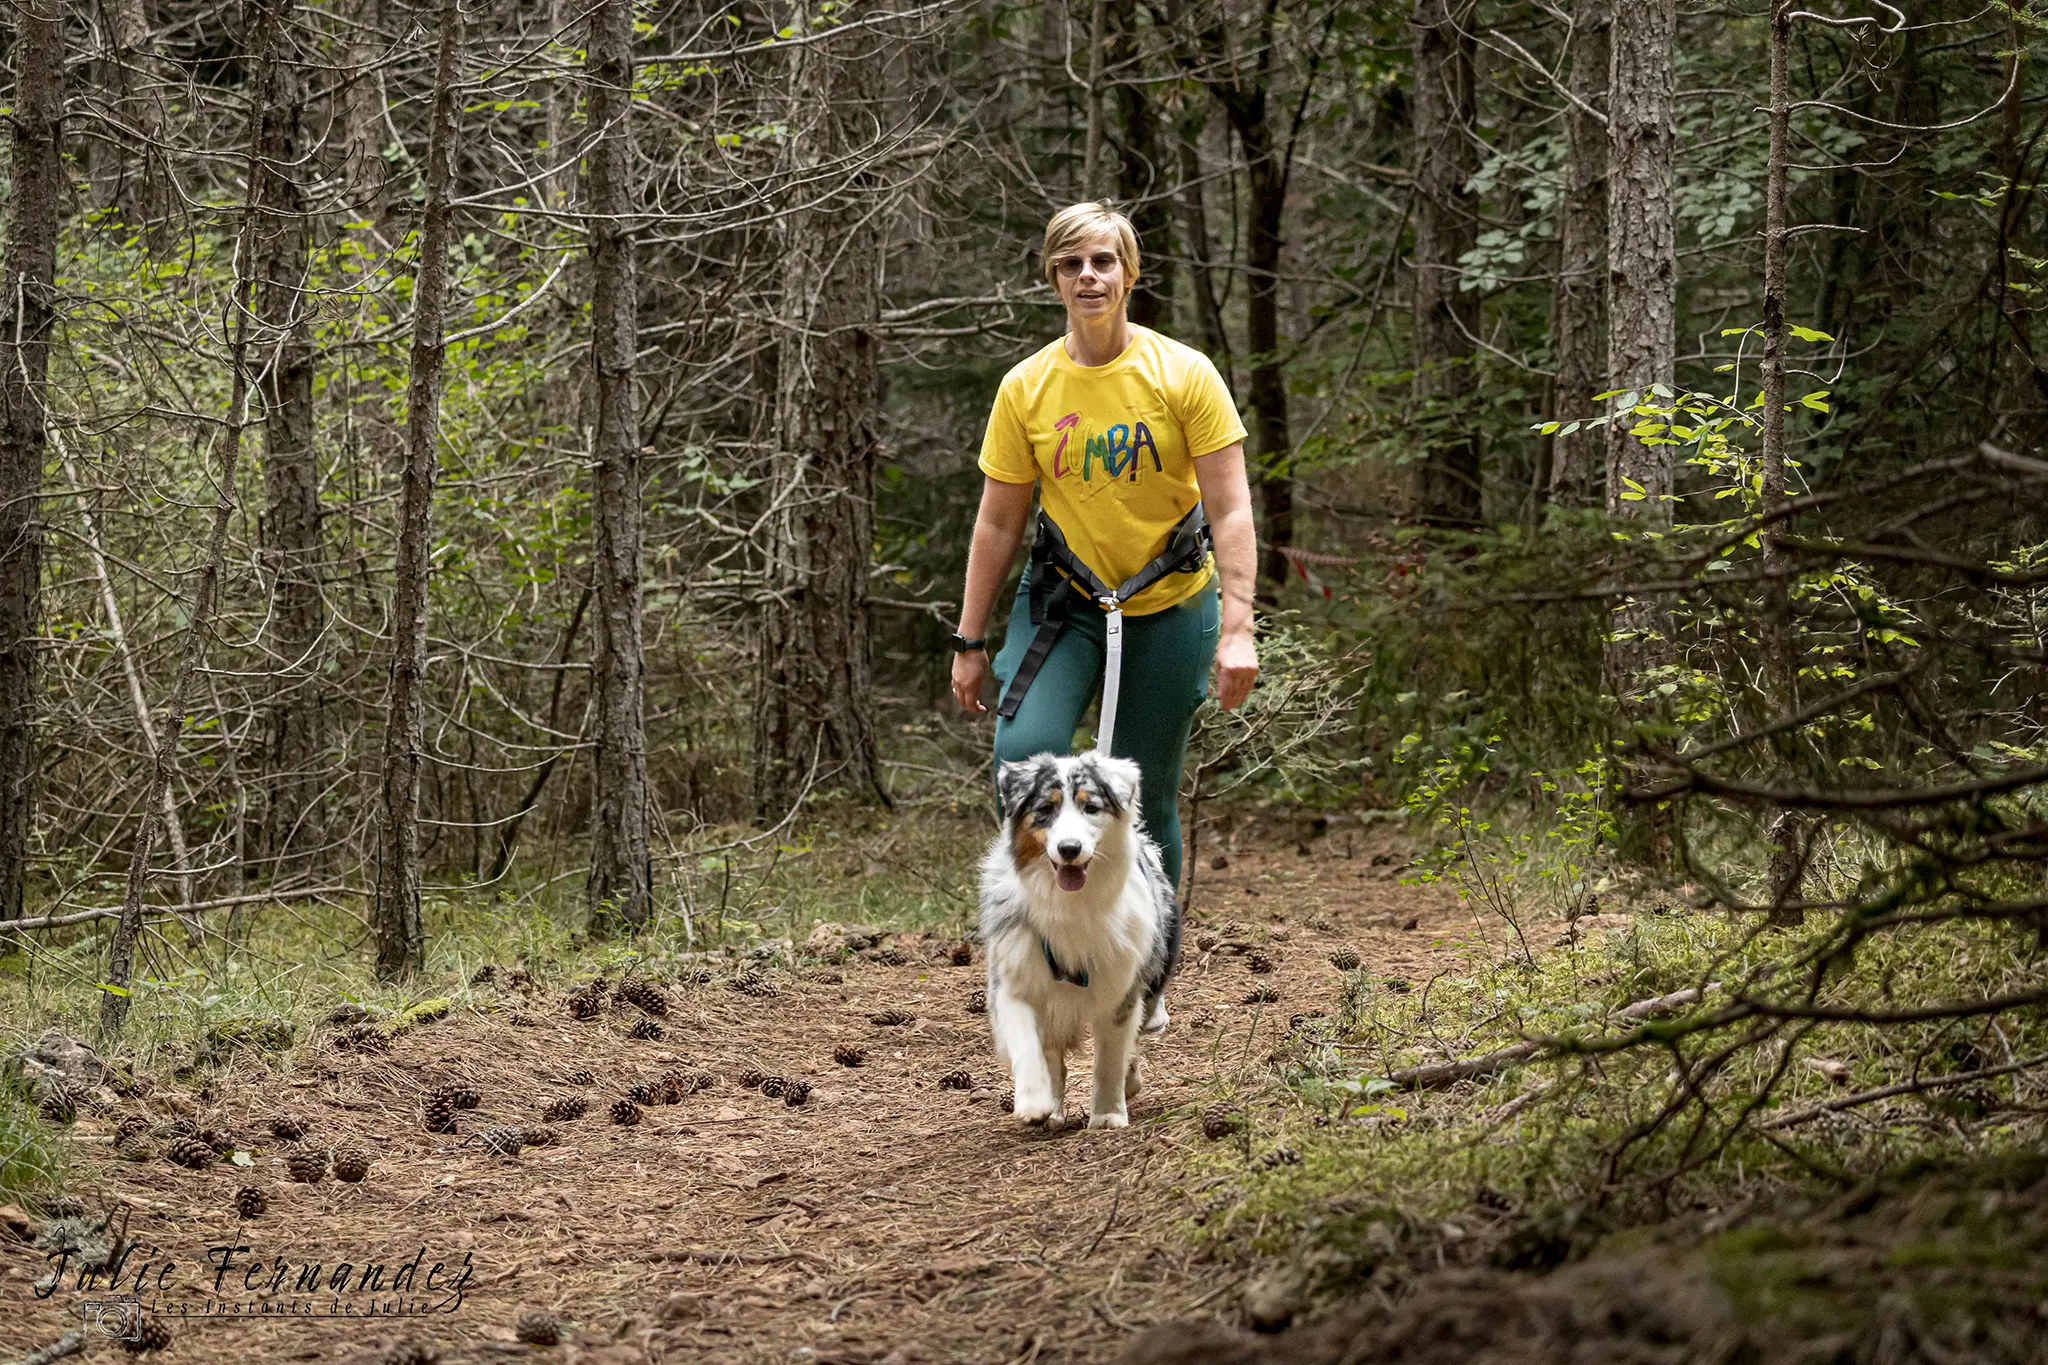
x: 1437, y: 1075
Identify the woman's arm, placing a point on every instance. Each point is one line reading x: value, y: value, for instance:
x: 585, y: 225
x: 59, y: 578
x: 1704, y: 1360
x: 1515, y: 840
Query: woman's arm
x: 998, y: 530
x: 1227, y: 499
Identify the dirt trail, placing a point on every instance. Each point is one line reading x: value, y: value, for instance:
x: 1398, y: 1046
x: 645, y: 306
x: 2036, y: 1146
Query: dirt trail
x: 889, y: 1219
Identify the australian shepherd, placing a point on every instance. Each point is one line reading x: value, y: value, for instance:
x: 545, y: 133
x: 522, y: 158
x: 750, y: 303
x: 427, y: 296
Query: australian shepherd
x: 1082, y: 931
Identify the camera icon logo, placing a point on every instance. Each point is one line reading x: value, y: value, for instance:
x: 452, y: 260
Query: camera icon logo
x: 118, y: 1319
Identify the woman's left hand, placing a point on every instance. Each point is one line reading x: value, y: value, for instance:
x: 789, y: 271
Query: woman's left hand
x: 1237, y: 668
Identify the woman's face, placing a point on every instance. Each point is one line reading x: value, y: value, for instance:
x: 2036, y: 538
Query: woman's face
x: 1090, y: 276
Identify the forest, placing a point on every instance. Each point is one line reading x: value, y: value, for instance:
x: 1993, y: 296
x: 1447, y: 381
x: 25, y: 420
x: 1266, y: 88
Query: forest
x: 484, y: 490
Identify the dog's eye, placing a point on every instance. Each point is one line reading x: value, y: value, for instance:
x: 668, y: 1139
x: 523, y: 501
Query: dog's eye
x: 1089, y: 807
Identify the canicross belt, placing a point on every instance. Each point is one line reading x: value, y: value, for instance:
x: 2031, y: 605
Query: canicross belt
x: 1054, y: 564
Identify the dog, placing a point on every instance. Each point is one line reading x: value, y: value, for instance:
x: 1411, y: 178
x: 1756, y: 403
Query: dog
x: 1081, y: 929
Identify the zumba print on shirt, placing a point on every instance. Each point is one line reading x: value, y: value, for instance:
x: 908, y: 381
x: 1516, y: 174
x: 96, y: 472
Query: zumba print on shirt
x: 1115, y: 450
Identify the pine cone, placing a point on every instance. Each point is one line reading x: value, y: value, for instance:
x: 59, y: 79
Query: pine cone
x: 437, y: 1113
x: 220, y: 1139
x: 152, y: 1334
x: 1258, y: 963
x: 891, y: 956
x: 796, y: 1093
x: 521, y: 1019
x: 462, y: 1096
x: 625, y: 1113
x: 674, y: 1087
x: 1280, y: 1156
x: 501, y: 1140
x: 585, y: 1003
x: 644, y: 1093
x: 1219, y: 1123
x: 189, y: 1152
x: 1262, y: 995
x: 410, y: 1353
x: 774, y: 1086
x: 1345, y: 959
x: 485, y: 975
x: 361, y: 1038
x: 580, y: 1077
x: 539, y: 1135
x: 251, y: 1201
x: 566, y: 1109
x: 646, y: 1030
x: 289, y: 1127
x: 892, y: 1017
x: 1008, y: 1102
x: 134, y: 1147
x: 1320, y: 923
x: 977, y: 1002
x: 132, y: 1127
x: 57, y: 1104
x: 701, y: 1080
x: 961, y: 955
x: 752, y: 1078
x: 307, y: 1165
x: 537, y: 1327
x: 848, y: 1054
x: 956, y: 1080
x: 644, y: 993
x: 351, y: 1164
x: 519, y: 979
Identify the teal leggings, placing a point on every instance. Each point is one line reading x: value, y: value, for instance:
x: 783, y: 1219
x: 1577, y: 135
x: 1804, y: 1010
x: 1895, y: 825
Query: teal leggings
x: 1166, y: 676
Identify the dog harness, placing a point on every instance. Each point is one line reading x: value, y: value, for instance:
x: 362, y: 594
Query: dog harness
x: 1187, y: 550
x: 1059, y: 973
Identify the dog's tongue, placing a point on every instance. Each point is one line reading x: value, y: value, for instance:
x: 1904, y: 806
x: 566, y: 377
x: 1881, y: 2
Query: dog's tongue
x: 1071, y: 878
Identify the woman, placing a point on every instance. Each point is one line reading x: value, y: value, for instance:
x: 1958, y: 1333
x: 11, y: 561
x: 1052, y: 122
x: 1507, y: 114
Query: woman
x: 1123, y: 432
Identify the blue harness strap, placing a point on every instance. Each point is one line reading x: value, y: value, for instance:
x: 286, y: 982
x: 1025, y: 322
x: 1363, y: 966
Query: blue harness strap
x: 1060, y: 973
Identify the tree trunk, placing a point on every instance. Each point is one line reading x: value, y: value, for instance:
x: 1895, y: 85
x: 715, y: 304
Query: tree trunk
x: 28, y: 273
x: 292, y: 828
x: 265, y: 38
x: 1786, y: 829
x: 367, y: 176
x: 1577, y: 459
x: 1642, y: 279
x: 1201, y: 268
x: 1246, y: 98
x: 621, y: 871
x: 813, y: 719
x: 144, y: 192
x: 1445, y: 158
x: 1140, y: 174
x: 398, y: 925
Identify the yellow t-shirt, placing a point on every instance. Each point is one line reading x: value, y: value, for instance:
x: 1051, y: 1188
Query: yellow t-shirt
x: 1113, y: 450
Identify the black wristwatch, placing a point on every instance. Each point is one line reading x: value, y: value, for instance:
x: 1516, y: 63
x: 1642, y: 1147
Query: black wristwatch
x: 961, y: 644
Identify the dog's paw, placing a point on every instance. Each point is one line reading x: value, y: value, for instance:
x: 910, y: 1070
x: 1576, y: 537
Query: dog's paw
x: 1134, y: 1080
x: 1034, y: 1109
x: 1116, y: 1118
x: 1157, y: 1020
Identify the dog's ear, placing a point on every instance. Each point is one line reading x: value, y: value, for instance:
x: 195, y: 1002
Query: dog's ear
x: 1118, y: 779
x: 1016, y: 782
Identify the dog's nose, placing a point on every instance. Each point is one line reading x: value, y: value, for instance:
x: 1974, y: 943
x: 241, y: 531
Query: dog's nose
x: 1070, y: 850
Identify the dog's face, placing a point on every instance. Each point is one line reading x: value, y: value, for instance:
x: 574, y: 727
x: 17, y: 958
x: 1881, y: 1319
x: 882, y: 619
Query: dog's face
x: 1059, y: 809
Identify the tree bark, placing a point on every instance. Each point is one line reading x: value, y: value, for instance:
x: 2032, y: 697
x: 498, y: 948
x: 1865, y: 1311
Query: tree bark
x: 1445, y: 158
x: 292, y: 550
x: 1642, y: 257
x: 1247, y: 99
x: 1642, y: 281
x: 621, y: 871
x: 1785, y: 832
x: 397, y: 922
x: 813, y: 718
x: 1194, y: 217
x: 367, y: 176
x: 1140, y: 178
x: 28, y: 273
x: 144, y: 192
x: 1577, y: 459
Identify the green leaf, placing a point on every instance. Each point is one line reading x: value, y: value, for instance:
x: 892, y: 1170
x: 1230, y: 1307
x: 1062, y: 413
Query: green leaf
x: 1808, y: 334
x: 1815, y: 400
x: 121, y: 991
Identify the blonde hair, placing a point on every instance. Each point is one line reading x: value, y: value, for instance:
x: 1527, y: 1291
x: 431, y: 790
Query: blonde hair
x: 1079, y: 221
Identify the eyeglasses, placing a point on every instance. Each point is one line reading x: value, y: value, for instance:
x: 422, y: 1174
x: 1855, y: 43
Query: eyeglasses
x: 1103, y: 262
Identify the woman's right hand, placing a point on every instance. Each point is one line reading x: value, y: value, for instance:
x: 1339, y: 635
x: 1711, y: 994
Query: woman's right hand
x: 970, y: 672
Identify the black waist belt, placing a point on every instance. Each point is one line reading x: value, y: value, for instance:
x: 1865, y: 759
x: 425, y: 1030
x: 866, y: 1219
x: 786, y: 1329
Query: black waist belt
x: 1054, y: 564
